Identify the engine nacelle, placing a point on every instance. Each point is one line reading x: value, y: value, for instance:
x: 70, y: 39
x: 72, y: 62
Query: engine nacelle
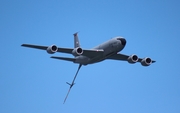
x: 77, y: 51
x: 133, y: 59
x: 146, y: 61
x: 52, y: 49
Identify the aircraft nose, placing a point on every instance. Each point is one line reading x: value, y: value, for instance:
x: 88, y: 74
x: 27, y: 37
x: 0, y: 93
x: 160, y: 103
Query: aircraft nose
x: 123, y: 41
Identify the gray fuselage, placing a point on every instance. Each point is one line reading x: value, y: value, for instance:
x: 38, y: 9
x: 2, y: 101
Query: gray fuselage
x: 110, y: 47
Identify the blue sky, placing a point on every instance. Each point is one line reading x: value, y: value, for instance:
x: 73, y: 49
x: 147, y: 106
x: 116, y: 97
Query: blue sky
x: 31, y: 82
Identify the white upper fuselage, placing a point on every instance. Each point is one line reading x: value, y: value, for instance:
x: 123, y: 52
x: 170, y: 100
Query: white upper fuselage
x: 110, y: 47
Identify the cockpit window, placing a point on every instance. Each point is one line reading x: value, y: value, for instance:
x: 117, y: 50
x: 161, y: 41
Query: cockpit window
x: 118, y: 38
x: 123, y: 41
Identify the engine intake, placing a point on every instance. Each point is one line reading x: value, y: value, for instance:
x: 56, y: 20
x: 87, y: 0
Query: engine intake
x: 77, y: 51
x: 52, y: 49
x: 146, y: 61
x: 133, y: 59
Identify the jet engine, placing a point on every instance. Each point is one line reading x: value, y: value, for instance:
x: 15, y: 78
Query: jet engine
x: 52, y: 49
x: 146, y: 61
x: 133, y: 59
x: 77, y: 51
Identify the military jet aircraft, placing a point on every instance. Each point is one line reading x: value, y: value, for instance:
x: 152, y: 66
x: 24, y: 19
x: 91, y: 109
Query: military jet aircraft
x: 106, y: 50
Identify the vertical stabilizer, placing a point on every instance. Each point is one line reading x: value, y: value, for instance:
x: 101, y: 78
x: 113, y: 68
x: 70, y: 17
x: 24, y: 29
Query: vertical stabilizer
x: 76, y: 40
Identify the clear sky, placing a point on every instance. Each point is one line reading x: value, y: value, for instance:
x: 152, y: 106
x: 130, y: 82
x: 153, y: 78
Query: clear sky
x: 32, y: 82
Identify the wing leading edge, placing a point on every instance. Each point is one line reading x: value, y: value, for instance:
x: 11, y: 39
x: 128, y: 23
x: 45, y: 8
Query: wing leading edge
x: 63, y: 50
x: 86, y: 52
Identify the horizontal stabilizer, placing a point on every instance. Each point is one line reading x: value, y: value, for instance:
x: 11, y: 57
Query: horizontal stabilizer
x: 64, y: 58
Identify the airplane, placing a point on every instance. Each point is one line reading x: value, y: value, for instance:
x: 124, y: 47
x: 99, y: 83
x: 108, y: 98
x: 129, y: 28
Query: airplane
x: 107, y: 50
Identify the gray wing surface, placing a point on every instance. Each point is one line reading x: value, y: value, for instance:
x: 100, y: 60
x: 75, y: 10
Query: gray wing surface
x: 64, y: 58
x: 92, y: 52
x: 123, y: 57
x: 63, y: 50
x: 89, y: 53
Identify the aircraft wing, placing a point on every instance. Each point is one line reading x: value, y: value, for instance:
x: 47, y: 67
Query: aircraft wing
x: 63, y: 50
x: 86, y: 52
x: 92, y: 52
x: 123, y: 57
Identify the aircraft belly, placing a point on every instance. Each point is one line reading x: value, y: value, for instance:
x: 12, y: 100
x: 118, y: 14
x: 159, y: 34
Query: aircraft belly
x: 96, y: 59
x: 82, y: 60
x: 86, y: 60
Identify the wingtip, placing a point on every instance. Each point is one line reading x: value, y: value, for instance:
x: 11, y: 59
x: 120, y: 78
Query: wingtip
x: 25, y: 45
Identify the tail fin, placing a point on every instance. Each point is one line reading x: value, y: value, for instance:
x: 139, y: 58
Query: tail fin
x: 76, y: 40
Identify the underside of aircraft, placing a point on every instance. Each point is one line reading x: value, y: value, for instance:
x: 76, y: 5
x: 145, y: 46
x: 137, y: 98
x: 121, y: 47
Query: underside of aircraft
x: 107, y: 50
